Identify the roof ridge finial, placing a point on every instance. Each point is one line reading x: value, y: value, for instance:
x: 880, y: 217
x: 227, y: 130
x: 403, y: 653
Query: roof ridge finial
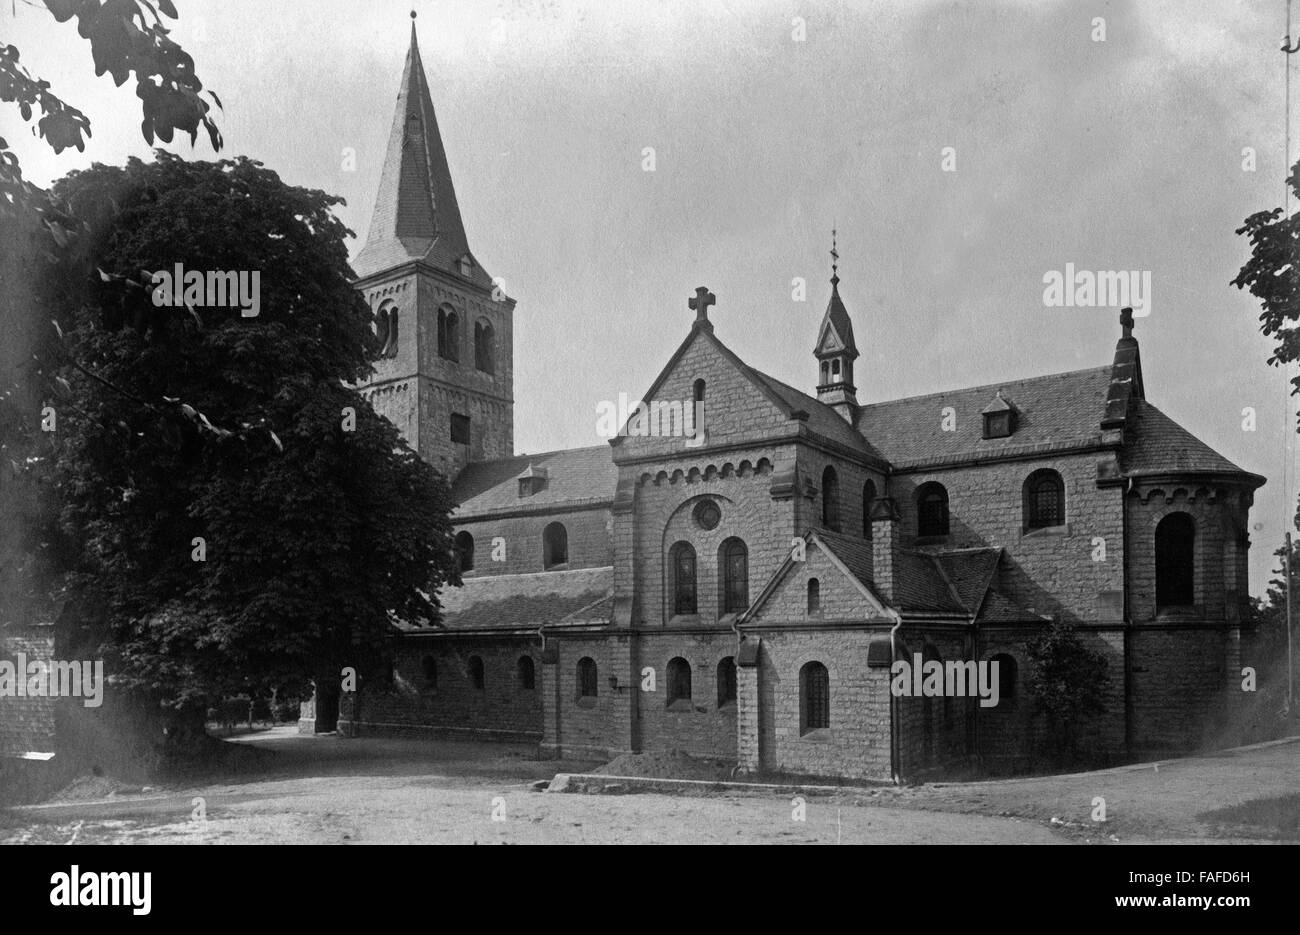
x: 835, y: 259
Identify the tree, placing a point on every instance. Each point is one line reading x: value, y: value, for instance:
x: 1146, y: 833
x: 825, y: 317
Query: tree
x: 1068, y: 683
x: 235, y: 531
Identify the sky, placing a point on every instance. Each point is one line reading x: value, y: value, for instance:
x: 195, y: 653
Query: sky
x: 771, y: 123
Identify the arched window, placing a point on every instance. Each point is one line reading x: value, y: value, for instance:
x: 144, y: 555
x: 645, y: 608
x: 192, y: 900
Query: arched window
x: 830, y: 499
x: 586, y: 677
x: 679, y: 680
x: 527, y: 673
x: 381, y: 328
x: 699, y: 391
x: 835, y: 367
x: 465, y: 550
x: 484, y: 351
x: 555, y: 545
x: 814, y: 596
x: 476, y: 672
x: 868, y: 501
x: 932, y: 510
x: 1175, y: 561
x: 390, y: 348
x: 1044, y: 499
x: 699, y: 408
x: 733, y: 559
x: 826, y: 372
x: 682, y: 569
x: 814, y: 697
x: 726, y: 681
x: 1008, y: 675
x: 448, y: 334
x: 429, y: 671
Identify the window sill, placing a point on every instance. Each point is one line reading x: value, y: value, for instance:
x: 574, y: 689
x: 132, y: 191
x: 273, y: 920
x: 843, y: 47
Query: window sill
x: 683, y: 619
x: 817, y: 735
x: 586, y: 701
x: 1044, y: 531
x: 558, y: 566
x: 681, y: 705
x: 1177, y: 612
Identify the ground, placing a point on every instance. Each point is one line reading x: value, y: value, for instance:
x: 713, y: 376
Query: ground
x: 329, y: 789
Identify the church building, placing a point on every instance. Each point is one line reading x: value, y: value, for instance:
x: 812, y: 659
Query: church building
x: 742, y: 593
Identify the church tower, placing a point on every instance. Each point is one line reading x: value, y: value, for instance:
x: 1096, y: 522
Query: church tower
x: 445, y: 376
x: 836, y: 351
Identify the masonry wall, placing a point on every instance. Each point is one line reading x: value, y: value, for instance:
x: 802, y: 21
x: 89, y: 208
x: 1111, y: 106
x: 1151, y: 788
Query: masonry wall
x: 590, y: 535
x: 450, y: 704
x: 1048, y: 570
x: 856, y: 745
x: 26, y: 724
x: 702, y: 726
x: 588, y: 727
x: 1179, y: 678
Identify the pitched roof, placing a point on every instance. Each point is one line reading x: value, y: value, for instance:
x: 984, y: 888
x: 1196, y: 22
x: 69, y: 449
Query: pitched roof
x: 1156, y: 444
x: 573, y: 476
x: 416, y: 216
x: 837, y: 317
x: 822, y: 419
x: 1058, y: 411
x: 505, y: 602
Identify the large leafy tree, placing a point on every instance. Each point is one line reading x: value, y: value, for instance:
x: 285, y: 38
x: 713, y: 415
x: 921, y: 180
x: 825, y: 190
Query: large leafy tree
x: 185, y: 424
x: 1068, y: 681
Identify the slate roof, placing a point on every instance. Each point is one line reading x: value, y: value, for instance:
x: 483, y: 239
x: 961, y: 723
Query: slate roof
x: 1156, y: 444
x: 416, y: 216
x: 1056, y: 411
x: 822, y: 419
x: 838, y: 316
x: 574, y: 476
x: 505, y: 602
x: 941, y: 582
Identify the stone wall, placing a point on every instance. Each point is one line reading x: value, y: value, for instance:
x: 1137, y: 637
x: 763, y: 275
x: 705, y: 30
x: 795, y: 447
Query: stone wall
x: 589, y: 531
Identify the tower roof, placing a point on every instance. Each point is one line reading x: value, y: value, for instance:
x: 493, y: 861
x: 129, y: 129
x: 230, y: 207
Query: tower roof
x: 835, y: 336
x: 415, y: 215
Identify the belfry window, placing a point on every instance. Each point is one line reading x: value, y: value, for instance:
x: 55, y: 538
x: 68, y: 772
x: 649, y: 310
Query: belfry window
x: 1176, y: 561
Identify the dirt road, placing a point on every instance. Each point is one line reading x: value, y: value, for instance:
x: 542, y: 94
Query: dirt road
x: 333, y: 790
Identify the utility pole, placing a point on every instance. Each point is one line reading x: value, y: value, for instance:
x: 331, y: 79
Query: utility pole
x: 1290, y: 656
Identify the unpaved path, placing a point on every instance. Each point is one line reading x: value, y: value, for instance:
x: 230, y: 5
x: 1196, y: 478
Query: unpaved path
x: 320, y: 790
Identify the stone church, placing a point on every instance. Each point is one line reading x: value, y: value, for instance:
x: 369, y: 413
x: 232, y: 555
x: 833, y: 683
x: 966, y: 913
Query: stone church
x: 742, y: 593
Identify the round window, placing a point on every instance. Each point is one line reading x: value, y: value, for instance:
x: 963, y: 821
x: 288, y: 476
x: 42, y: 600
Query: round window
x: 707, y: 514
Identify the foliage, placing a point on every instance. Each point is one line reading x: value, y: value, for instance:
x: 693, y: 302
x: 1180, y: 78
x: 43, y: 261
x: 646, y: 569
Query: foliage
x: 1068, y: 682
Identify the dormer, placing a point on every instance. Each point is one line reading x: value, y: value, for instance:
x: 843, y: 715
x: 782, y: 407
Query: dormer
x: 531, y: 481
x: 999, y: 417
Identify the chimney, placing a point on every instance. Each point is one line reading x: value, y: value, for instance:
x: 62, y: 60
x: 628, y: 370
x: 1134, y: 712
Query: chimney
x: 884, y: 546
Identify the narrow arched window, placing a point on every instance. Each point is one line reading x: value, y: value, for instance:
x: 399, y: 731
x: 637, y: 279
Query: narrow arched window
x: 868, y: 501
x: 814, y: 596
x: 830, y: 499
x: 932, y: 510
x: 814, y: 697
x: 733, y: 558
x: 1008, y: 674
x: 429, y: 671
x: 381, y: 328
x: 390, y: 349
x: 483, y: 346
x: 682, y: 568
x: 526, y: 673
x: 698, y: 395
x: 448, y: 334
x: 1176, y: 561
x: 1044, y: 499
x: 586, y: 677
x: 555, y: 545
x: 465, y: 550
x: 726, y: 681
x: 476, y: 672
x: 679, y: 680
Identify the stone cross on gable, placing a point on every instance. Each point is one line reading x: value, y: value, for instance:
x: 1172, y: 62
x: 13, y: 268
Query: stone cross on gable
x: 703, y: 299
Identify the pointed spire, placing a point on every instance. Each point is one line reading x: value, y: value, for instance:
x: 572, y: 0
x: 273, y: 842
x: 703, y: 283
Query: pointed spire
x: 838, y: 337
x: 416, y: 216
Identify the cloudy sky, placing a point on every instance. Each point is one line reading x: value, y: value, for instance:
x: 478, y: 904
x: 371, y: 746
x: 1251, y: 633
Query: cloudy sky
x: 1125, y: 153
